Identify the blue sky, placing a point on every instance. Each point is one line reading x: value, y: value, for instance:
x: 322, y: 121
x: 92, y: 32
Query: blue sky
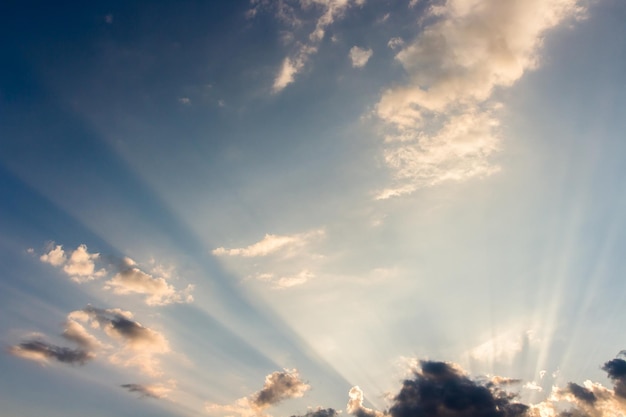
x: 308, y: 207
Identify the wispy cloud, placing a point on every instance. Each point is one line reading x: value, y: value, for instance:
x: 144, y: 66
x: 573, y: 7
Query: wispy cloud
x: 359, y: 56
x: 327, y: 12
x: 443, y: 123
x: 271, y: 244
x: 150, y: 390
x: 278, y: 248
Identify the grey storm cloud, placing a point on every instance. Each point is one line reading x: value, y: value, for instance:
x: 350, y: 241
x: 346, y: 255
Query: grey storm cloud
x: 616, y: 370
x: 41, y: 350
x: 440, y: 389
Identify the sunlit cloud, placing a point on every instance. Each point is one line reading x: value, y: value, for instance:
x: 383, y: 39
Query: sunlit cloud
x: 132, y: 280
x: 279, y: 386
x: 80, y: 265
x: 355, y: 404
x: 129, y: 279
x: 443, y: 123
x: 271, y: 244
x: 274, y: 251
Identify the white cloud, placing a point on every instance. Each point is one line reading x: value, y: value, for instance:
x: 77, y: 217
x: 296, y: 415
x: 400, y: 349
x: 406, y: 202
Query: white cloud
x: 454, y: 65
x: 132, y: 280
x: 271, y: 244
x: 283, y: 282
x: 55, y: 257
x: 80, y: 265
x: 360, y: 56
x: 184, y: 100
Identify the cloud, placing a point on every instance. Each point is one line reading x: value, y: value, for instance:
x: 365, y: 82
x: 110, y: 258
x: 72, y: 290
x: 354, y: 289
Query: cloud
x: 41, y: 351
x: 129, y: 279
x: 150, y: 390
x: 55, y: 257
x: 139, y: 346
x: 321, y: 412
x: 355, y: 404
x: 395, y: 43
x: 132, y: 280
x: 328, y: 11
x: 359, y: 56
x: 80, y: 265
x: 616, y: 370
x: 271, y: 244
x: 184, y: 100
x: 504, y: 347
x: 279, y: 386
x: 287, y: 281
x: 442, y: 124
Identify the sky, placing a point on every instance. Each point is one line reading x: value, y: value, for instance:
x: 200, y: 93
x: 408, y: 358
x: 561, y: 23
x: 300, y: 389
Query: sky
x: 313, y: 208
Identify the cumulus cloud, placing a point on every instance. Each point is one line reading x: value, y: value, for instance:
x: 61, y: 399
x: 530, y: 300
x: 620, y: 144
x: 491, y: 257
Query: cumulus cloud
x: 279, y: 386
x: 327, y: 12
x: 134, y: 345
x: 55, y: 257
x: 80, y: 265
x: 443, y: 124
x: 360, y: 56
x: 132, y: 280
x: 355, y: 404
x: 271, y: 244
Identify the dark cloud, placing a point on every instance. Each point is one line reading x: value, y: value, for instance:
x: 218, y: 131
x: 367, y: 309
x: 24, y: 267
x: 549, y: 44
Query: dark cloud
x: 616, y: 370
x: 321, y: 412
x: 279, y: 386
x: 40, y: 350
x: 442, y: 390
x: 581, y: 393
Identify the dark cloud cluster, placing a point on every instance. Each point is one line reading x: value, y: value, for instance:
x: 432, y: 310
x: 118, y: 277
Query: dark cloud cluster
x: 616, y: 370
x: 442, y: 390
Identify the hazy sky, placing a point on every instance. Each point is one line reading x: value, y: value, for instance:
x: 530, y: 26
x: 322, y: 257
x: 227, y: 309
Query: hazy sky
x: 402, y: 208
